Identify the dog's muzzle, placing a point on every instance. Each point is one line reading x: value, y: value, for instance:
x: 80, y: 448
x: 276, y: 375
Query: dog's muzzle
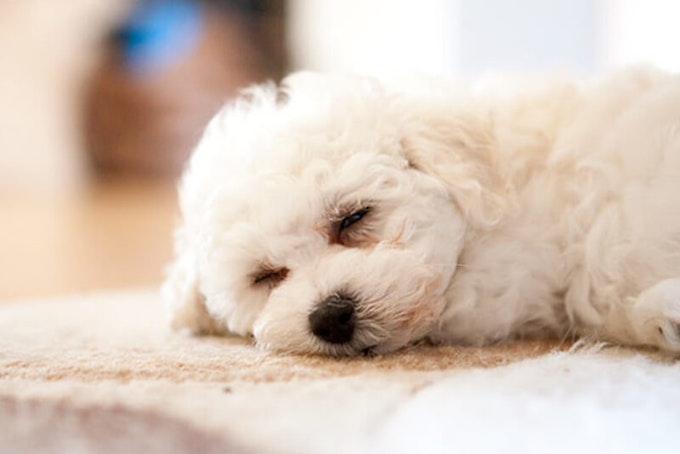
x: 334, y: 319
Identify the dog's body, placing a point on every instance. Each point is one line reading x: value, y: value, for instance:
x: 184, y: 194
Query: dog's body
x: 353, y: 217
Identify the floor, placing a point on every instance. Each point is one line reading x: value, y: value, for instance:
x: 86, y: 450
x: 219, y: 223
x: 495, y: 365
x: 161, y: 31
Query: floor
x: 64, y: 230
x: 102, y: 373
x: 112, y: 233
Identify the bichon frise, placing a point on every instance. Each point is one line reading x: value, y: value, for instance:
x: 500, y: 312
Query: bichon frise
x: 344, y: 215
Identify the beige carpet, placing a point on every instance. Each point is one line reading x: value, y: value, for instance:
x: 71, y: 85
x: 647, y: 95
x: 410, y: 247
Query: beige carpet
x: 100, y: 373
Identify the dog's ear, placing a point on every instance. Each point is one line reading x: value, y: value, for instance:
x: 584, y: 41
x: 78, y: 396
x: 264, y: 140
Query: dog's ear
x: 459, y: 149
x: 181, y: 295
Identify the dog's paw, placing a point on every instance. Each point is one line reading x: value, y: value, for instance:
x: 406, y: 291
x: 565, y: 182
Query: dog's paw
x: 656, y: 315
x: 194, y: 320
x: 670, y: 331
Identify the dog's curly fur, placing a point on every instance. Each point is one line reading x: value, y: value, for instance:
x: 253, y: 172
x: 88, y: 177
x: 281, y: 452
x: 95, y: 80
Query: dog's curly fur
x: 535, y: 206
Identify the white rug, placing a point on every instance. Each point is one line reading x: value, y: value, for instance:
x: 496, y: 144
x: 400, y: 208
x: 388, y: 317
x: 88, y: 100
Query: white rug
x: 100, y: 373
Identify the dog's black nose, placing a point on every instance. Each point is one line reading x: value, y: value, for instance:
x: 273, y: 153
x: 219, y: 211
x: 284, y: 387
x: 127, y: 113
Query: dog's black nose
x: 334, y: 320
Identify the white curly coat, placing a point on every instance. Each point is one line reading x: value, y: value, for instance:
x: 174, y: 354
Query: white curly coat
x: 525, y: 206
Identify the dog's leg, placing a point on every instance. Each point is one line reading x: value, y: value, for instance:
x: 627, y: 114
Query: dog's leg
x: 185, y: 303
x: 655, y: 315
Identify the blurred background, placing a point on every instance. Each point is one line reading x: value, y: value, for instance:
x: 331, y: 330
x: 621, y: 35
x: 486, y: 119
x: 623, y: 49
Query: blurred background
x: 101, y: 101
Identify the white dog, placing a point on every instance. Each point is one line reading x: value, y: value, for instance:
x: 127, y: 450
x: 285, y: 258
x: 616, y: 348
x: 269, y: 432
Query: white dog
x: 343, y: 215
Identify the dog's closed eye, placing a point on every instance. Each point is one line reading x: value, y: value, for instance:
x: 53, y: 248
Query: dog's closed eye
x: 351, y: 230
x: 270, y: 276
x: 353, y: 218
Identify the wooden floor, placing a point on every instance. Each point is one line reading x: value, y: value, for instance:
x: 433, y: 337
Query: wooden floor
x: 111, y: 234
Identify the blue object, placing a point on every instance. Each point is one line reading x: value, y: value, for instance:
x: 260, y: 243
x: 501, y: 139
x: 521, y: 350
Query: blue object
x: 158, y: 33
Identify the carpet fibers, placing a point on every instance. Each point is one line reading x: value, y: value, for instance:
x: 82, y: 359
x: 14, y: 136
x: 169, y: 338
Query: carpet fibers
x: 101, y: 373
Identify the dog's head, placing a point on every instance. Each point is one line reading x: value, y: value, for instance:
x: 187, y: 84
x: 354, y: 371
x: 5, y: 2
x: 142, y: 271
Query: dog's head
x: 328, y: 215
